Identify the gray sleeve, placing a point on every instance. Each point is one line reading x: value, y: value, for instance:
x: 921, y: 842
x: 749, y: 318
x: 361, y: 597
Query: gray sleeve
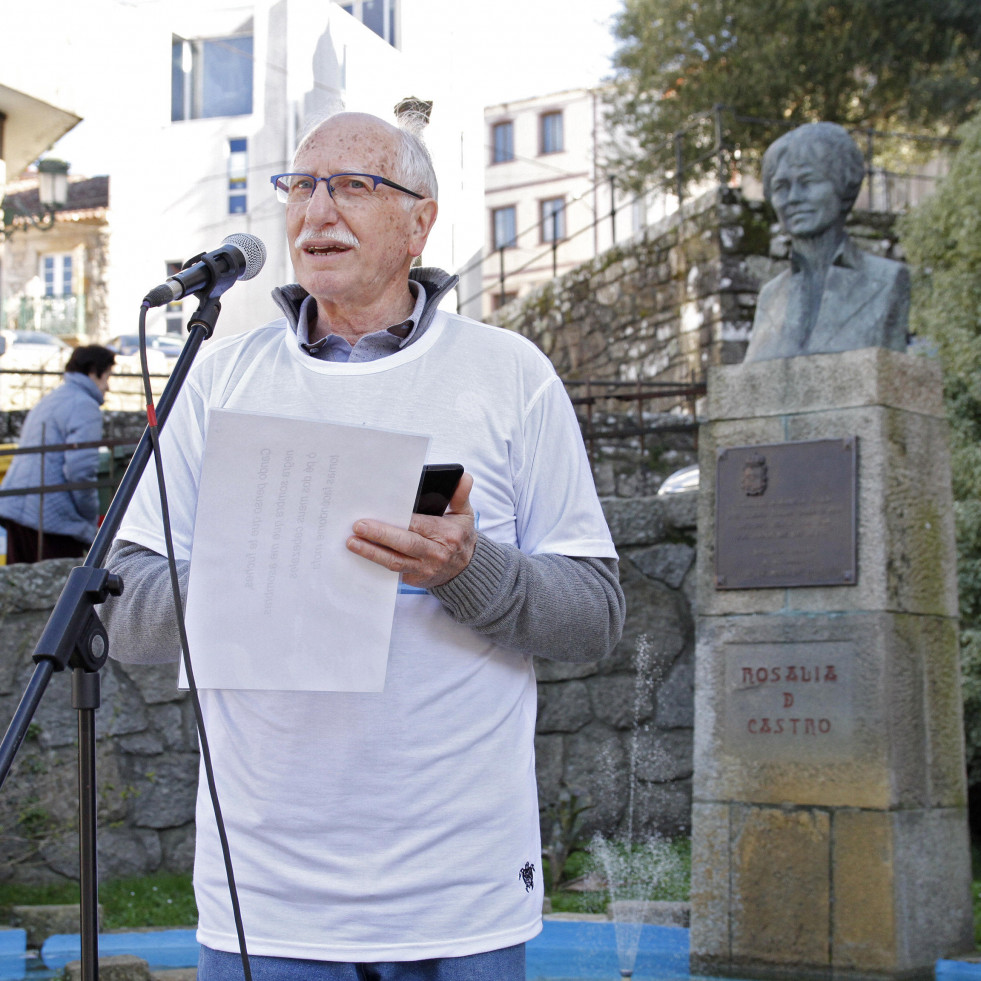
x: 556, y: 606
x: 142, y: 623
x: 561, y: 607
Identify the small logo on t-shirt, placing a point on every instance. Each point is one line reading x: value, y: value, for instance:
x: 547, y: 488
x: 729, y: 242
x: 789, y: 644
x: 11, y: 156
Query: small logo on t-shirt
x: 527, y: 876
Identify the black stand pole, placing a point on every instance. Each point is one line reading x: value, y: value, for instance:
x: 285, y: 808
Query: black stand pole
x: 75, y: 636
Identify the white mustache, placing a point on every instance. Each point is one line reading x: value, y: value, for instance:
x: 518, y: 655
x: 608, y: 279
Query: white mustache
x: 336, y: 236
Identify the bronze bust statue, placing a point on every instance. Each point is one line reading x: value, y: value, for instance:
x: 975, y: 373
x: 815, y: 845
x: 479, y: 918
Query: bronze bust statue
x: 834, y: 297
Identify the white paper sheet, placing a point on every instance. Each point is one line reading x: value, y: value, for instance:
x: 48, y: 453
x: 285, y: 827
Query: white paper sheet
x: 275, y: 599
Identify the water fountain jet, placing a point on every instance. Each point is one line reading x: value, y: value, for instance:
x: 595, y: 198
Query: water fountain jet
x: 634, y: 867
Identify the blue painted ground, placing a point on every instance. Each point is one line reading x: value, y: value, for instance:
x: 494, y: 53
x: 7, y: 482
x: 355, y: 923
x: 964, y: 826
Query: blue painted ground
x: 564, y: 951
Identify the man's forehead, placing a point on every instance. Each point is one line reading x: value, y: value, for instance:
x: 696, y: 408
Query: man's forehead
x: 348, y: 144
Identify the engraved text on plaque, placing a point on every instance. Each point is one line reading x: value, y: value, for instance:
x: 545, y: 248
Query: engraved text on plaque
x: 785, y: 515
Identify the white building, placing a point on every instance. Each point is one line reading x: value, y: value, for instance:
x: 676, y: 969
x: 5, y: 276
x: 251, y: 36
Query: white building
x: 549, y: 203
x: 198, y: 102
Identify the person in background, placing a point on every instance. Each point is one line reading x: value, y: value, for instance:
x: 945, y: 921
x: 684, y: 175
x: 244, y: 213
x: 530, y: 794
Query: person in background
x: 61, y: 524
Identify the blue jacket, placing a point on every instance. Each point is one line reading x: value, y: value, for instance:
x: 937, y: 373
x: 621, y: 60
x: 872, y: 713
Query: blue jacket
x: 69, y: 414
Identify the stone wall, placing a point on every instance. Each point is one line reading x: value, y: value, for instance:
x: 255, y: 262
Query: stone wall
x: 618, y: 733
x: 147, y: 746
x: 146, y: 757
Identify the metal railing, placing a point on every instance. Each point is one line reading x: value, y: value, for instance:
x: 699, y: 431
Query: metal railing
x: 608, y: 412
x: 105, y: 484
x: 23, y: 389
x: 62, y: 316
x: 899, y: 168
x: 619, y: 411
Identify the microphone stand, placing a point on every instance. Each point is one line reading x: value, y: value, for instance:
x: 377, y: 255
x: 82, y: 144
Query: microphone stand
x: 75, y: 637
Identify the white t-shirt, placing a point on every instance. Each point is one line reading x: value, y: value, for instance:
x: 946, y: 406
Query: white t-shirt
x: 401, y: 825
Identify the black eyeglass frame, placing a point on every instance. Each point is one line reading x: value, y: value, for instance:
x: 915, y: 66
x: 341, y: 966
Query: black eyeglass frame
x: 373, y: 177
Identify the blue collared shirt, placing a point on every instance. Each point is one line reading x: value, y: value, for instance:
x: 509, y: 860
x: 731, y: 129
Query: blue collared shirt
x: 370, y: 347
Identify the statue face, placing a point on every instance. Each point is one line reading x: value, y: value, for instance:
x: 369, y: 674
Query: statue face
x: 805, y: 198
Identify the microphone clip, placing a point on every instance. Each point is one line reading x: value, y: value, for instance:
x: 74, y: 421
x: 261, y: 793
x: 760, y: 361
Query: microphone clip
x: 218, y: 281
x: 206, y: 315
x: 200, y: 257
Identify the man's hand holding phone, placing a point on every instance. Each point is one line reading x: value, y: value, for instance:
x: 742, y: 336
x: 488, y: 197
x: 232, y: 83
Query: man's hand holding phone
x: 431, y: 551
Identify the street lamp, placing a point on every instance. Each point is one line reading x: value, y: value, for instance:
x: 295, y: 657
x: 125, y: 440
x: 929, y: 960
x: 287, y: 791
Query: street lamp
x: 52, y: 196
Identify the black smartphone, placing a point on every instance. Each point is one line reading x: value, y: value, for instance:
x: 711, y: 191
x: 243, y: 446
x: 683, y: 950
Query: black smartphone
x: 436, y: 487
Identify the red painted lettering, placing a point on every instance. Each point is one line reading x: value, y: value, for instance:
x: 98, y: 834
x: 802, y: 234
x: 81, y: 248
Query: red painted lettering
x: 788, y: 700
x: 829, y: 673
x: 747, y: 676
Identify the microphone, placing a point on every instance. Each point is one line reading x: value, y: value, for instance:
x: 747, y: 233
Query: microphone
x: 240, y: 256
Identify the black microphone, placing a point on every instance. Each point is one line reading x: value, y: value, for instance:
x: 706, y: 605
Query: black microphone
x: 240, y: 256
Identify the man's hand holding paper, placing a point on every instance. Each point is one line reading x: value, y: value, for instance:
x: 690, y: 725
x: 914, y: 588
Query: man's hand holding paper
x: 432, y: 551
x: 299, y: 611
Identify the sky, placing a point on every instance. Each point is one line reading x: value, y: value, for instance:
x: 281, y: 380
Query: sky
x: 533, y: 47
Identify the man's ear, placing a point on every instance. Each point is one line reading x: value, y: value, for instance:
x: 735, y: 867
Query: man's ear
x: 423, y: 219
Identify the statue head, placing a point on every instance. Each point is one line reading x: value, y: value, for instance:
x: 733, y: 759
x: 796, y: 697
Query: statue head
x: 812, y: 177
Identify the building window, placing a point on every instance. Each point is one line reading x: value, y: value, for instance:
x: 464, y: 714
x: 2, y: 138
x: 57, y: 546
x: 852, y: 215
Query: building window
x: 211, y: 77
x: 503, y: 142
x: 505, y: 227
x: 552, y: 213
x: 238, y: 174
x: 380, y: 16
x: 499, y: 299
x: 56, y: 274
x: 550, y: 129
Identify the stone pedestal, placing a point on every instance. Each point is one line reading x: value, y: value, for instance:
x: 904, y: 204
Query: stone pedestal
x: 829, y: 820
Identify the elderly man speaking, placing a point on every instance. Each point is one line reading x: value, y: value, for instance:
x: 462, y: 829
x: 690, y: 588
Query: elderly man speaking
x: 389, y: 835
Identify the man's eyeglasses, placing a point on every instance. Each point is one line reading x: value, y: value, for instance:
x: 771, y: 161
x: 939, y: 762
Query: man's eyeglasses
x: 343, y: 188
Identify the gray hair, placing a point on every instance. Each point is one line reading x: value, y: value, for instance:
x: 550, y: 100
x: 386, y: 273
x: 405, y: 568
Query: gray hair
x: 828, y: 145
x: 414, y: 165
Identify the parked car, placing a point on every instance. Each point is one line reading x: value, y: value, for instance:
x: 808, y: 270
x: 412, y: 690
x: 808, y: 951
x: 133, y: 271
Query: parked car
x: 680, y: 481
x: 167, y: 344
x: 33, y: 350
x: 31, y: 366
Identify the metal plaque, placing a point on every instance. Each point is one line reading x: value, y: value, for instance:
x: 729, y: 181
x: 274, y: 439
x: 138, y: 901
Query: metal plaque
x: 785, y: 515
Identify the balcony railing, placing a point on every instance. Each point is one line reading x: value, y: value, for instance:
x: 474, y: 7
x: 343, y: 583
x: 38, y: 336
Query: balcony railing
x: 59, y: 315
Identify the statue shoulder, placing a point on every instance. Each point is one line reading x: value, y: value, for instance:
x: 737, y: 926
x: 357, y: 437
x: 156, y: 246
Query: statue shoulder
x: 884, y: 270
x: 773, y: 290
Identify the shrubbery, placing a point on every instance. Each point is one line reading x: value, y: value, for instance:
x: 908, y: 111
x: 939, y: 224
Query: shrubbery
x: 942, y: 238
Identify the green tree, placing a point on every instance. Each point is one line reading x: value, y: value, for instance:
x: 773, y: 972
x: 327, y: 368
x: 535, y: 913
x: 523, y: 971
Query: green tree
x: 910, y: 65
x: 942, y: 238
